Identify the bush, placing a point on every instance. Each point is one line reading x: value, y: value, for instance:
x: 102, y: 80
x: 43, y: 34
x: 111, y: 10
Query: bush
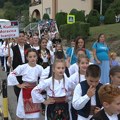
x: 109, y: 16
x: 70, y: 31
x: 79, y: 15
x: 93, y: 18
x: 61, y: 18
x: 73, y: 11
x: 46, y: 17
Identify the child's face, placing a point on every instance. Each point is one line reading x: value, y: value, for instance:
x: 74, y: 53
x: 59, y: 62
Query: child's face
x: 32, y: 58
x: 114, y: 57
x: 80, y: 43
x: 35, y: 39
x: 92, y: 81
x: 44, y: 44
x: 59, y: 69
x: 72, y: 43
x: 58, y: 48
x: 115, y: 79
x: 80, y: 53
x: 84, y: 63
x: 114, y: 107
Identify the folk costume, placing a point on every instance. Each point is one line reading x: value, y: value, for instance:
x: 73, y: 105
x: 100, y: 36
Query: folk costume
x: 84, y: 105
x: 44, y: 58
x: 26, y: 108
x: 102, y: 115
x: 57, y: 89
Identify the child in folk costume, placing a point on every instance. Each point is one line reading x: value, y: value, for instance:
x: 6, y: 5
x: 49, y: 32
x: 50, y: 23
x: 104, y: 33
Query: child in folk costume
x: 77, y: 77
x: 57, y: 88
x: 85, y: 98
x: 110, y: 98
x: 115, y: 76
x: 30, y: 73
x: 75, y: 67
x: 44, y: 55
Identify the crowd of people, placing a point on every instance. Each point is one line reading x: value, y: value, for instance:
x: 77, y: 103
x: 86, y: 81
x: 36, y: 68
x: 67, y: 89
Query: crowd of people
x: 62, y: 85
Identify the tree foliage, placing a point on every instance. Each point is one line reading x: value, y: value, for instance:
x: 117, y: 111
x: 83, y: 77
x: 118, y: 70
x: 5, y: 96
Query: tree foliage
x: 116, y: 6
x: 109, y: 16
x: 1, y: 3
x: 46, y: 16
x: 79, y: 15
x: 105, y: 5
x: 61, y: 18
x: 93, y: 18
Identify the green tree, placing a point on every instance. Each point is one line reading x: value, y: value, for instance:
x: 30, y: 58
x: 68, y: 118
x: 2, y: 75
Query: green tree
x: 109, y: 16
x: 9, y: 14
x: 73, y: 11
x: 61, y: 18
x: 105, y: 5
x: 116, y: 6
x: 20, y: 2
x: 93, y: 18
x: 1, y: 3
x: 46, y: 16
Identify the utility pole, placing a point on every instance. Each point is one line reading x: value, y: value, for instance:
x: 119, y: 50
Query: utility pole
x: 101, y: 6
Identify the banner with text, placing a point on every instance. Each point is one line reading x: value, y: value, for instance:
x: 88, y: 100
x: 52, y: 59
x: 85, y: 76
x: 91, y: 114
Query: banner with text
x: 9, y: 29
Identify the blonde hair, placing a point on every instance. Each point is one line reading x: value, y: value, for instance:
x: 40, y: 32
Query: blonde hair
x: 53, y: 74
x: 113, y: 54
x: 107, y: 93
x: 82, y: 56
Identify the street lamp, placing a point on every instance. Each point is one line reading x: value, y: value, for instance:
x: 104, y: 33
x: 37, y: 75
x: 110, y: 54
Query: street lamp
x: 101, y: 7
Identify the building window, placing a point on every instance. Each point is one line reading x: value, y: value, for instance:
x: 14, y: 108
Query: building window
x: 48, y: 10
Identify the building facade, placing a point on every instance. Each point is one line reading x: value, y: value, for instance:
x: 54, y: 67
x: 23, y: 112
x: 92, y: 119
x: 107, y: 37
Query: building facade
x: 39, y: 7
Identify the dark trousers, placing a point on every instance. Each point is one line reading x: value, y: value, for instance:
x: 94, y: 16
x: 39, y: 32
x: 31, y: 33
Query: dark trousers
x: 73, y: 113
x: 16, y: 89
x: 2, y: 60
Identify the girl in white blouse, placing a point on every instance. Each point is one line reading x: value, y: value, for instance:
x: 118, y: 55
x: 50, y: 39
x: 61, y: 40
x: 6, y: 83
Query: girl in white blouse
x: 57, y: 88
x: 30, y: 73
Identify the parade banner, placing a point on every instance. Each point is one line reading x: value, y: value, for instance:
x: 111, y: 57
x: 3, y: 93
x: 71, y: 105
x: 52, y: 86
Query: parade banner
x: 8, y: 29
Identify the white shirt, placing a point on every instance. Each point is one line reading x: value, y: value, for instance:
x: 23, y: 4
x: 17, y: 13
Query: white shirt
x: 21, y: 48
x: 75, y: 78
x: 73, y: 68
x: 45, y: 73
x: 29, y: 74
x: 36, y: 47
x: 59, y: 89
x: 112, y: 117
x: 80, y: 101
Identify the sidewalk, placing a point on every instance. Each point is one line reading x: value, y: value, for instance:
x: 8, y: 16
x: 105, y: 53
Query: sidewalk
x: 2, y: 77
x: 1, y: 109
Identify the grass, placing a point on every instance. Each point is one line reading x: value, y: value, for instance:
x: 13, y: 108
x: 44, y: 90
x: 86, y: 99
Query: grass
x: 112, y: 32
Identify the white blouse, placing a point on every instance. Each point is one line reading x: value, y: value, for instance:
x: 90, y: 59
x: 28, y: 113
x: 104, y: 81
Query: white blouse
x: 60, y: 89
x: 112, y: 117
x: 75, y: 78
x: 80, y: 101
x: 29, y: 74
x: 73, y: 68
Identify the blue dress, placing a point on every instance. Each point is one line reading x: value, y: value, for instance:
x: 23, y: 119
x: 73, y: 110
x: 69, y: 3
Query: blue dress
x: 102, y: 53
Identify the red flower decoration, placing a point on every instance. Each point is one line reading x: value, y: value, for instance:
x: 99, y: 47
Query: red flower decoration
x: 25, y: 51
